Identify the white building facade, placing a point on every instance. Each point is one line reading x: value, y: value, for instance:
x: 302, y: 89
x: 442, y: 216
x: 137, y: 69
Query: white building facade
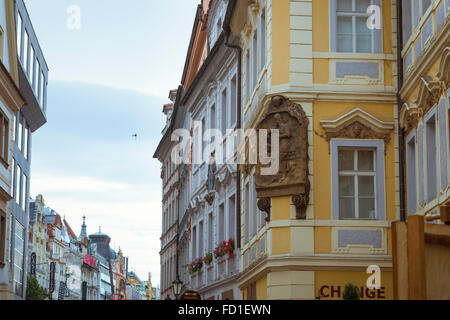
x: 212, y: 102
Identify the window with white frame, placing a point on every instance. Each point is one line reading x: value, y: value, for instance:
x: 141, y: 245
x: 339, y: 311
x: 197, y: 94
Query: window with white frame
x: 200, y: 239
x: 247, y: 212
x: 247, y: 75
x: 358, y: 179
x: 262, y: 59
x: 232, y: 216
x: 210, y: 232
x: 431, y: 155
x: 19, y: 247
x: 221, y: 223
x: 356, y: 183
x: 224, y: 111
x: 351, y: 33
x: 411, y: 176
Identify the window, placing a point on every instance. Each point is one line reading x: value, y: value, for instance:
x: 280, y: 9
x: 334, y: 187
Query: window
x: 18, y: 185
x: 431, y: 156
x: 19, y: 133
x: 233, y: 102
x: 212, y: 121
x: 425, y: 5
x: 4, y: 129
x: 210, y: 232
x: 254, y: 209
x: 356, y: 183
x: 352, y: 33
x: 200, y: 239
x: 26, y: 142
x: 31, y: 68
x: 231, y: 216
x: 19, y: 243
x: 224, y: 112
x: 411, y: 177
x: 19, y: 34
x: 247, y: 75
x: 443, y: 141
x: 25, y: 52
x: 44, y: 89
x: 194, y: 243
x: 247, y: 212
x: 255, y: 60
x: 221, y: 225
x: 263, y: 39
x: 2, y: 237
x: 358, y: 179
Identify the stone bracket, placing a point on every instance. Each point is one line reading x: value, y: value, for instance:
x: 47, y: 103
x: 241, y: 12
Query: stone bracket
x: 264, y: 205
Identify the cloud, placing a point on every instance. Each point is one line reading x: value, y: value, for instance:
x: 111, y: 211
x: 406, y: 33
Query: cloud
x: 76, y: 184
x: 85, y: 162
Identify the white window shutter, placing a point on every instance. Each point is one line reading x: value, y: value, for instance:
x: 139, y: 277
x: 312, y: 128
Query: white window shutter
x: 420, y: 155
x: 443, y: 153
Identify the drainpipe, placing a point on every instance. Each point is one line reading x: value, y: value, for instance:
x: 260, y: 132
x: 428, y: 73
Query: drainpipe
x: 401, y: 138
x: 238, y: 126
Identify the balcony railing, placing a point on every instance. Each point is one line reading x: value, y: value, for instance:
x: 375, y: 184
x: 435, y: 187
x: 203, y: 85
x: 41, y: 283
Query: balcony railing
x: 33, y: 71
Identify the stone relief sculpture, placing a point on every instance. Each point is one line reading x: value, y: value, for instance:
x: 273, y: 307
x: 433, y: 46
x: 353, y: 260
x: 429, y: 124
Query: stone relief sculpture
x: 292, y: 178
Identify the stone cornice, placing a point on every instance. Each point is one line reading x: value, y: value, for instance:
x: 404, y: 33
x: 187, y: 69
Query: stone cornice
x: 426, y: 62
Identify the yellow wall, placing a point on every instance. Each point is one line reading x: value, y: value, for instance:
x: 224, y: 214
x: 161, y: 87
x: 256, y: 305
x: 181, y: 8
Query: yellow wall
x: 280, y: 42
x: 261, y: 288
x: 321, y: 70
x: 322, y: 240
x: 281, y: 208
x: 321, y: 26
x: 281, y: 240
x: 387, y: 26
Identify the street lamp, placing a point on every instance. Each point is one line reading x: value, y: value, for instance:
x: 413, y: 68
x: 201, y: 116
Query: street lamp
x: 177, y: 284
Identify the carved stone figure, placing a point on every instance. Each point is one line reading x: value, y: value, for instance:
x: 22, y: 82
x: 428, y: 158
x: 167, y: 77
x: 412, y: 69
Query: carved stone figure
x: 292, y: 177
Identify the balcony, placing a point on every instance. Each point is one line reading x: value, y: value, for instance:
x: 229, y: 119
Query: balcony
x: 33, y: 70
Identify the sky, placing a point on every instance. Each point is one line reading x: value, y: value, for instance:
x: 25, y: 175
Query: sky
x: 108, y: 80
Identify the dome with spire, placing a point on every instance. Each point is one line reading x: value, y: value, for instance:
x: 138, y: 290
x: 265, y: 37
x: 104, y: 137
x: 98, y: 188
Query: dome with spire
x: 83, y: 237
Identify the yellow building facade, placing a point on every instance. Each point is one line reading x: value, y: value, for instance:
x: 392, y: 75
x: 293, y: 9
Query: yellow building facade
x: 332, y: 80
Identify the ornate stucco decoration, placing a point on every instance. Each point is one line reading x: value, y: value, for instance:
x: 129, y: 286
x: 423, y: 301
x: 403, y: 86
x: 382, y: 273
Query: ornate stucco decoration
x: 357, y: 124
x: 444, y: 68
x: 209, y: 198
x: 264, y: 206
x: 211, y: 192
x: 162, y: 172
x: 409, y: 116
x: 430, y: 92
x: 292, y: 176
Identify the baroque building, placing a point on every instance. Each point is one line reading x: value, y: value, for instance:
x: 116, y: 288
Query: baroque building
x: 169, y: 176
x: 315, y: 71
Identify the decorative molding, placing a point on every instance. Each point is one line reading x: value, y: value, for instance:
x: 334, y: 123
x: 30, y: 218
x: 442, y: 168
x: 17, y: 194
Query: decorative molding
x: 409, y: 116
x: 264, y: 205
x: 357, y: 124
x: 300, y: 201
x: 209, y: 197
x: 444, y: 68
x: 430, y: 92
x: 292, y: 178
x: 360, y: 115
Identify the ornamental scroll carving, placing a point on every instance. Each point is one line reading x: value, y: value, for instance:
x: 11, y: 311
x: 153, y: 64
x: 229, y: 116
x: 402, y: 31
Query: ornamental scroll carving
x: 292, y: 176
x: 357, y: 130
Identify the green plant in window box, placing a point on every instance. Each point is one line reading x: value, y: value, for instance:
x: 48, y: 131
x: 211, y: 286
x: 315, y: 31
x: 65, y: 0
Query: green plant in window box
x: 351, y: 292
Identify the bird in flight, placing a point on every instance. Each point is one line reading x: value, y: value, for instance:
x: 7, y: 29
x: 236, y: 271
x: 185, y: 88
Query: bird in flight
x: 134, y: 136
